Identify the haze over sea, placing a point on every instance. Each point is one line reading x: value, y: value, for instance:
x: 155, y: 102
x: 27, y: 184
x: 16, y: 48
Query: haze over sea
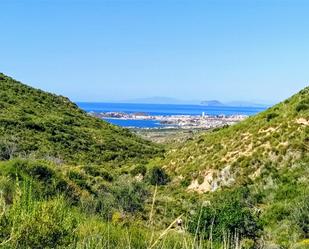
x: 163, y: 109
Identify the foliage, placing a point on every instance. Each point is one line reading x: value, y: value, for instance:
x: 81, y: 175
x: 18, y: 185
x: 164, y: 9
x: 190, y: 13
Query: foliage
x: 69, y: 180
x: 268, y: 155
x: 130, y: 196
x: 30, y: 223
x: 271, y: 116
x: 158, y: 176
x: 229, y: 213
x: 43, y: 124
x: 139, y: 170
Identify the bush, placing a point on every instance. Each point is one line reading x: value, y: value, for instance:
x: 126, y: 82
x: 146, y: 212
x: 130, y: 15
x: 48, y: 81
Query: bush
x: 271, y: 116
x: 7, y: 189
x: 130, y: 195
x: 157, y: 176
x: 8, y: 149
x: 303, y: 105
x: 36, y: 224
x: 49, y: 225
x: 139, y: 170
x: 301, y: 214
x: 229, y: 214
x: 41, y: 172
x: 99, y: 172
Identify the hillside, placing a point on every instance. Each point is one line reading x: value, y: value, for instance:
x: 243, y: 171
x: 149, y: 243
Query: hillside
x: 251, y: 179
x: 36, y: 123
x: 244, y: 186
x: 275, y: 138
x: 60, y: 181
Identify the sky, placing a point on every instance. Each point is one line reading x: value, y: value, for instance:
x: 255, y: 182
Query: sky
x: 115, y: 50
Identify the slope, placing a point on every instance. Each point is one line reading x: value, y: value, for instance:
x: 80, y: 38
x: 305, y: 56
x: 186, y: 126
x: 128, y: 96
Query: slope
x: 36, y: 123
x: 275, y: 138
x: 251, y: 179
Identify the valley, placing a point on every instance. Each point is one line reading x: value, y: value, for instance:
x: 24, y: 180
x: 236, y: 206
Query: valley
x: 72, y: 180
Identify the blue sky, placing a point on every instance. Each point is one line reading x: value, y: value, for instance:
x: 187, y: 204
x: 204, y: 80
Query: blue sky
x: 93, y: 50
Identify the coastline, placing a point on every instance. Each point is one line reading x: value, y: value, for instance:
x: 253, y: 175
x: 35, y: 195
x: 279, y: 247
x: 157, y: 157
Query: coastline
x: 171, y: 121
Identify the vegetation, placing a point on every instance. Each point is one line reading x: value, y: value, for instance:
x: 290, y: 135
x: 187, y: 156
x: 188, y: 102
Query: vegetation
x: 68, y: 180
x: 157, y: 176
x: 229, y: 214
x: 40, y: 124
x: 268, y: 156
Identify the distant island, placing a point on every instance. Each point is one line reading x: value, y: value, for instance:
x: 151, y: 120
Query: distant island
x: 212, y: 103
x: 232, y: 103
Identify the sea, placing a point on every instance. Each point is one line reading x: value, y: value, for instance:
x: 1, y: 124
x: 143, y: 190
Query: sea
x: 163, y: 109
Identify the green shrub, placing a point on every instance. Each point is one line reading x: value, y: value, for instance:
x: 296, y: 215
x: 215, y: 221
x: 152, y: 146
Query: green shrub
x: 158, y: 176
x: 303, y: 105
x: 29, y: 223
x: 8, y: 149
x: 130, y: 195
x: 247, y: 244
x: 301, y: 215
x: 40, y: 172
x: 271, y: 116
x: 48, y: 225
x: 229, y: 212
x: 99, y: 172
x: 185, y: 182
x: 139, y: 170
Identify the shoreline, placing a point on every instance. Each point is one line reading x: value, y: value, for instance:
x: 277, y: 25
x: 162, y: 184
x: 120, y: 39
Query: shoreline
x: 185, y: 122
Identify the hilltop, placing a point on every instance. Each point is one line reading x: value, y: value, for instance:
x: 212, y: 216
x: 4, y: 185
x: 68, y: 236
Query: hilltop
x: 40, y: 124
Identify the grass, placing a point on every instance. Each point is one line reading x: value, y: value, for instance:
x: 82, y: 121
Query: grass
x: 31, y: 222
x: 68, y: 180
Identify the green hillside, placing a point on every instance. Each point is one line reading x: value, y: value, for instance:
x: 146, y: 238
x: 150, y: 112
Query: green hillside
x: 253, y: 177
x: 276, y: 138
x: 60, y: 181
x: 239, y: 187
x: 36, y: 123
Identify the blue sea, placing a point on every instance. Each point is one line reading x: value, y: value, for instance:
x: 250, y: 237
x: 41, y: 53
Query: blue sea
x: 163, y: 109
x: 135, y: 123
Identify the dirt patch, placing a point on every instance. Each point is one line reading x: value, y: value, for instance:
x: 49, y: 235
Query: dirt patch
x: 213, y: 180
x: 206, y: 186
x: 268, y: 130
x: 302, y: 121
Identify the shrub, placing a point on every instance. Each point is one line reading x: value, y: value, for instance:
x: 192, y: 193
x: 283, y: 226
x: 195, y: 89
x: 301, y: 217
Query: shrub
x: 271, y: 116
x: 49, y: 225
x: 130, y: 195
x: 7, y: 189
x: 96, y: 171
x: 301, y: 214
x: 29, y: 223
x: 228, y: 213
x: 247, y: 244
x: 157, y: 176
x: 139, y: 170
x: 302, y: 106
x: 8, y: 149
x: 40, y: 172
x: 185, y: 182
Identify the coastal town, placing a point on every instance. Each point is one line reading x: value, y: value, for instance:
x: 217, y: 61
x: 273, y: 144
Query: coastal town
x: 202, y: 121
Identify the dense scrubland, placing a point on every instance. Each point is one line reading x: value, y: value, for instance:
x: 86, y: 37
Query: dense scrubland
x: 68, y: 180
